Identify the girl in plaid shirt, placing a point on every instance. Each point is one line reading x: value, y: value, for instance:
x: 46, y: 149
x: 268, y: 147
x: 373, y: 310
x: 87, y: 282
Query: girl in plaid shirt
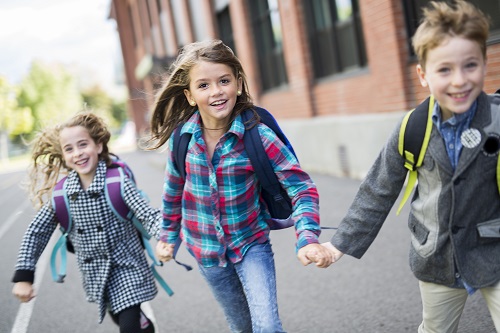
x: 114, y: 270
x: 217, y: 209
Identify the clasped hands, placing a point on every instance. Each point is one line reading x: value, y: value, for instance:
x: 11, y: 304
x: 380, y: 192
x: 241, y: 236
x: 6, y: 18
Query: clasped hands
x: 323, y: 255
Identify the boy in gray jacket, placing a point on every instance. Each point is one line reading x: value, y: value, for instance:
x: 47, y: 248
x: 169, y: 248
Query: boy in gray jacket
x: 455, y: 212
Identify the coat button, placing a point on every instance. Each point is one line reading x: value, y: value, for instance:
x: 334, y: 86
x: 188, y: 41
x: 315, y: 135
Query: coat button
x: 105, y: 257
x: 87, y: 260
x: 100, y: 228
x: 80, y: 231
x: 455, y: 229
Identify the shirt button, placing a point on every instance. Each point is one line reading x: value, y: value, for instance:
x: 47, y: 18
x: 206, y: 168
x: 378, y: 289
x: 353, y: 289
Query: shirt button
x: 451, y: 146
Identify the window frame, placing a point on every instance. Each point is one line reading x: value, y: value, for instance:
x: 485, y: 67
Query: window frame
x: 327, y: 34
x: 268, y: 48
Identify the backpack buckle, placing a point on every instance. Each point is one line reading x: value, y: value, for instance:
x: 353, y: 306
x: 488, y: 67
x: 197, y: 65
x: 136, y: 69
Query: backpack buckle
x: 60, y: 278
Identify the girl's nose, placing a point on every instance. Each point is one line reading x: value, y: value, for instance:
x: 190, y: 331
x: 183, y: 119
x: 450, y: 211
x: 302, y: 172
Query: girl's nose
x: 216, y: 91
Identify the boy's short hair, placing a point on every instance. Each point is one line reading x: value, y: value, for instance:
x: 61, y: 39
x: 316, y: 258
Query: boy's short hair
x: 442, y: 20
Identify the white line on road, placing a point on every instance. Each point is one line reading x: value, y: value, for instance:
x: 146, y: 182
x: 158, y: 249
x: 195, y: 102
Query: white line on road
x: 12, y: 218
x: 26, y: 309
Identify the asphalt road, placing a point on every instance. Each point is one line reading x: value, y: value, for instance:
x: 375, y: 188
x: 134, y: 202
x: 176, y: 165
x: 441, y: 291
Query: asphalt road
x: 375, y: 294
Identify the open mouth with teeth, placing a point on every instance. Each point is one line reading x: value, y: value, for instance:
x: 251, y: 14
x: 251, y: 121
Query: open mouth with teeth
x: 460, y: 95
x: 219, y: 103
x: 82, y: 162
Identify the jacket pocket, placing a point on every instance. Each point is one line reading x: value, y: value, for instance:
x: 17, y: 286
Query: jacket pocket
x: 489, y: 229
x: 419, y: 231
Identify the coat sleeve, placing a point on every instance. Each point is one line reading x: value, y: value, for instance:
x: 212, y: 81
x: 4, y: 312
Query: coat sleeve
x: 149, y: 216
x: 33, y: 244
x: 373, y: 201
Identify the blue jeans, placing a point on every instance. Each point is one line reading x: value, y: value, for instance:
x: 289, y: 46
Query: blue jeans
x: 246, y: 291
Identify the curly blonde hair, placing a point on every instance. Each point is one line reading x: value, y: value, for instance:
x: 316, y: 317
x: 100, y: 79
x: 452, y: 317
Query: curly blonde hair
x: 171, y: 106
x: 47, y: 156
x: 442, y: 20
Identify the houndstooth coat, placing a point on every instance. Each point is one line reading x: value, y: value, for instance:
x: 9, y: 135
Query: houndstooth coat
x: 112, y: 263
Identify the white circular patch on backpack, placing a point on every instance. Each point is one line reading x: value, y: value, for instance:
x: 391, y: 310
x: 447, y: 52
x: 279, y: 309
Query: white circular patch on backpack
x: 470, y: 138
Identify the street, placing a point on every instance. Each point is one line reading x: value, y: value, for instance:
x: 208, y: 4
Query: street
x: 375, y: 294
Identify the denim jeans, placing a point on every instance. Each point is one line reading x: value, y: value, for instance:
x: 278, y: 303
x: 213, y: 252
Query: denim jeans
x: 246, y: 291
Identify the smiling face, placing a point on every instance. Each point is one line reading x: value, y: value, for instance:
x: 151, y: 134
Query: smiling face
x: 80, y: 152
x: 454, y: 73
x: 213, y: 88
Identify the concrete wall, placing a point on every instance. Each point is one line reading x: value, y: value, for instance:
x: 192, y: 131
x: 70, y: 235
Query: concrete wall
x: 344, y: 146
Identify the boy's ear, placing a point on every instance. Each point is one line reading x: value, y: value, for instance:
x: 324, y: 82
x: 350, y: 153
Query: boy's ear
x: 421, y: 75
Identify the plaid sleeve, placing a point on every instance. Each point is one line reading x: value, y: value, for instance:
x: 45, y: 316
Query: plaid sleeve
x: 172, y: 200
x: 299, y: 186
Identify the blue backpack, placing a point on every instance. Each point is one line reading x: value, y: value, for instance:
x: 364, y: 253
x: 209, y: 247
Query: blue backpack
x: 115, y: 175
x: 278, y: 202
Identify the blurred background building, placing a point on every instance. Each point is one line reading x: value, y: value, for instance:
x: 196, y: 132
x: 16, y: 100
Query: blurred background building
x: 338, y: 74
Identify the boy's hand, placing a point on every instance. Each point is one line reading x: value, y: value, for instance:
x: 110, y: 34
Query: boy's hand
x: 336, y: 254
x: 23, y: 291
x: 316, y: 253
x: 164, y: 251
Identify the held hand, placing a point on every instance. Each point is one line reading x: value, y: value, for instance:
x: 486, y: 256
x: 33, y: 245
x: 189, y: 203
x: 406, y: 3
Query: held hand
x: 164, y: 251
x: 316, y: 253
x: 23, y: 291
x: 336, y: 253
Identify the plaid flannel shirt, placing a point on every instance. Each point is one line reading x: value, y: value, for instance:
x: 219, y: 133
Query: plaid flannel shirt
x: 219, y: 203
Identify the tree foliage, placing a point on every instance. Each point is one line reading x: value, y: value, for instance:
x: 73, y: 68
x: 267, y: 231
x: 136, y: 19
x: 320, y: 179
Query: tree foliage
x: 51, y: 93
x: 14, y: 120
x: 97, y: 100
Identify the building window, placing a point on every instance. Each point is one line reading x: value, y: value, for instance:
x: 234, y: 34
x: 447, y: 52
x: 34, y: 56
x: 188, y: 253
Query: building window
x: 413, y: 15
x: 199, y: 21
x: 225, y: 28
x: 178, y: 15
x: 335, y: 36
x: 266, y: 25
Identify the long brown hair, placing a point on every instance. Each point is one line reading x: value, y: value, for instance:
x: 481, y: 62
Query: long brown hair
x: 47, y: 156
x: 171, y: 106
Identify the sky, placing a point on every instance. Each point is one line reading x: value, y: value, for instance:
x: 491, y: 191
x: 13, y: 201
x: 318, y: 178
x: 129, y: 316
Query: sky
x: 76, y: 33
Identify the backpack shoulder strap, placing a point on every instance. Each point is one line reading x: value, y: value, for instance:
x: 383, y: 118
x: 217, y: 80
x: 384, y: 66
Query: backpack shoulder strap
x: 271, y: 187
x: 181, y: 143
x: 414, y: 136
x: 60, y: 204
x: 114, y: 190
x: 267, y: 118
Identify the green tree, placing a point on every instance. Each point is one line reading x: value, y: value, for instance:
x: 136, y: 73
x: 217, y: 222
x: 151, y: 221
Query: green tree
x: 51, y: 93
x: 14, y: 120
x: 113, y: 112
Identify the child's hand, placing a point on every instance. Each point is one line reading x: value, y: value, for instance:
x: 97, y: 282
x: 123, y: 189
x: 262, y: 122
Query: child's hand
x: 164, y: 251
x: 334, y: 251
x: 23, y: 291
x: 316, y: 253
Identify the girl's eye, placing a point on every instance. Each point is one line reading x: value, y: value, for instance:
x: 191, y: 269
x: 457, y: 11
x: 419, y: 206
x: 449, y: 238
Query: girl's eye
x: 203, y: 86
x: 224, y: 81
x: 67, y: 150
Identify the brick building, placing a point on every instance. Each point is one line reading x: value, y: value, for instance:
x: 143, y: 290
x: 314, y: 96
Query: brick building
x: 337, y: 73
